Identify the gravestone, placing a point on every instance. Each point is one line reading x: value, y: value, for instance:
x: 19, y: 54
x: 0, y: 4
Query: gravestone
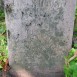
x: 39, y: 34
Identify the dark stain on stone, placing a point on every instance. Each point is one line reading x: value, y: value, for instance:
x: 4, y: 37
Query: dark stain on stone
x: 40, y: 24
x: 48, y: 15
x: 64, y: 41
x: 35, y: 15
x: 45, y: 15
x: 8, y: 8
x: 22, y: 14
x: 8, y: 33
x: 30, y: 14
x: 65, y: 2
x: 28, y: 24
x: 17, y: 36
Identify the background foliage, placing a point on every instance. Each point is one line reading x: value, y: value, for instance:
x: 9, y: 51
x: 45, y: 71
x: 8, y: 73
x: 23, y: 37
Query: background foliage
x: 3, y: 39
x: 70, y: 68
x: 75, y: 24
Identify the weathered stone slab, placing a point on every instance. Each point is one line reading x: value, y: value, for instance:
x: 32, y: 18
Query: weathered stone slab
x: 39, y: 34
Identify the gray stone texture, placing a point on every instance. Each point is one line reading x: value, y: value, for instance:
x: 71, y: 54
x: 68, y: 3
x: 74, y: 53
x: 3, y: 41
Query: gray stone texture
x: 39, y: 34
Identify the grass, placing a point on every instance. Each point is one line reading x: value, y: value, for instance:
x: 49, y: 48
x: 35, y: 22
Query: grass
x: 3, y: 41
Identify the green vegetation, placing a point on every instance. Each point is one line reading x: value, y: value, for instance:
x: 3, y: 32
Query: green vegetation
x: 2, y: 16
x: 3, y: 41
x: 70, y: 68
x: 75, y: 24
